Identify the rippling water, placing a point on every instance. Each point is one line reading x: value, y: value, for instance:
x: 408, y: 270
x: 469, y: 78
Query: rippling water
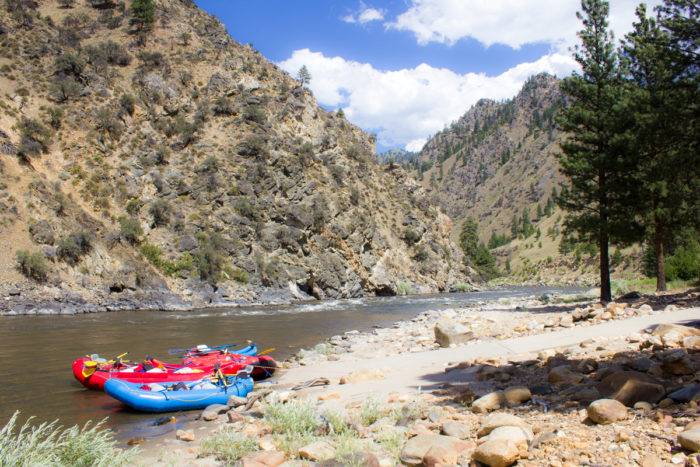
x: 37, y: 351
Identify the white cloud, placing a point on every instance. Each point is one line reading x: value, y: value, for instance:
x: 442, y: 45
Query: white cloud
x: 510, y: 22
x: 364, y: 15
x: 406, y: 106
x: 416, y: 145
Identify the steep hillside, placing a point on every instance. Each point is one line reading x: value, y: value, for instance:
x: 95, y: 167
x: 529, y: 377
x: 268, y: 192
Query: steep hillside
x: 498, y: 164
x: 166, y: 165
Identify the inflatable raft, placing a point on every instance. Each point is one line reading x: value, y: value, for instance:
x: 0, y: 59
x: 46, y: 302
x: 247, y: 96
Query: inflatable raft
x: 93, y: 371
x: 173, y: 397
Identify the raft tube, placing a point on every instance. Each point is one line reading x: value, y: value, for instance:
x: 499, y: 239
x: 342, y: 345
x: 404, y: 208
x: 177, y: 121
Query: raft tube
x: 134, y: 396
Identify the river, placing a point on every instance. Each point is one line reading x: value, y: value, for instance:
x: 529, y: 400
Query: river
x: 37, y: 351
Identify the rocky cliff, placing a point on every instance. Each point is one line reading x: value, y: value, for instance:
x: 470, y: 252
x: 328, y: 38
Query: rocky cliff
x: 163, y: 165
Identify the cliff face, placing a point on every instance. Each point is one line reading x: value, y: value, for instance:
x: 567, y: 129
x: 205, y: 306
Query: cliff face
x: 499, y: 158
x: 175, y: 164
x: 498, y: 164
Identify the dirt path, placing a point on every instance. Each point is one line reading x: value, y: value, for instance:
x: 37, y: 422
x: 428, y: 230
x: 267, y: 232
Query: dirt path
x: 411, y: 372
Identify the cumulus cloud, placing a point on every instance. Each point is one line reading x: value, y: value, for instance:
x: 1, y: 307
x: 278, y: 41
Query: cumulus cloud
x: 364, y: 16
x: 406, y: 106
x: 509, y: 22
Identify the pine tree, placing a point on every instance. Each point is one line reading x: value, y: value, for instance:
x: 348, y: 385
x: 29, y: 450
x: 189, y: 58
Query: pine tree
x: 143, y: 14
x: 304, y: 76
x: 594, y: 160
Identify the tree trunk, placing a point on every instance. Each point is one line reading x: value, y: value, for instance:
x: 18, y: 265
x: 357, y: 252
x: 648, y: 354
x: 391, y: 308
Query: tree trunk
x: 605, y: 290
x: 659, y: 253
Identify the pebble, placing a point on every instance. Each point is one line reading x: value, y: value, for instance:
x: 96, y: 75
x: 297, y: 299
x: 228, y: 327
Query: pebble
x: 185, y: 435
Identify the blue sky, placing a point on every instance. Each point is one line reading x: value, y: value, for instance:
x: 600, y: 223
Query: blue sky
x: 405, y: 69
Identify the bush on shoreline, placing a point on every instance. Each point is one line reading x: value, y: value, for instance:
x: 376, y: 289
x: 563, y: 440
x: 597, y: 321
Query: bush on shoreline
x: 51, y: 444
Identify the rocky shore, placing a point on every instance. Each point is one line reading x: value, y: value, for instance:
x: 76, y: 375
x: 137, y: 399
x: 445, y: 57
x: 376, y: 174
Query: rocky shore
x: 618, y: 398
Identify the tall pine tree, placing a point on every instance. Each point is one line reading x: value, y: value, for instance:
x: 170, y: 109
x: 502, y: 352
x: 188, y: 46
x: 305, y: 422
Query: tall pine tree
x: 594, y: 158
x: 666, y: 168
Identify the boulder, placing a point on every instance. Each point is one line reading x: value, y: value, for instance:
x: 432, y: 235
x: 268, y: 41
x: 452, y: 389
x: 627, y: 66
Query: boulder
x: 417, y: 447
x: 690, y: 440
x: 606, y: 411
x: 317, y: 451
x: 564, y: 375
x: 516, y: 395
x: 362, y: 376
x: 449, y: 332
x: 497, y: 420
x: 489, y: 402
x: 673, y: 334
x: 235, y: 401
x: 497, y: 453
x: 263, y: 459
x: 566, y: 321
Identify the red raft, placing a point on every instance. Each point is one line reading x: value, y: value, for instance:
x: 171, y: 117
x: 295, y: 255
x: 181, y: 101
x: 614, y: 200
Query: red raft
x: 93, y: 373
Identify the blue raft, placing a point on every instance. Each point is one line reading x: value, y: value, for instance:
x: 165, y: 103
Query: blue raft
x: 169, y: 400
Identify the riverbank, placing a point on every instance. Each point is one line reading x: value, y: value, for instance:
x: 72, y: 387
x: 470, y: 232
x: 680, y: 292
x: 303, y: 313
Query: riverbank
x: 515, y: 383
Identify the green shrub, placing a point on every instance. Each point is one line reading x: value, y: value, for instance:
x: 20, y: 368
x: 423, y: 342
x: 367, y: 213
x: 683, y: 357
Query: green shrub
x: 34, y: 137
x: 240, y: 275
x: 50, y: 444
x: 223, y: 106
x: 255, y: 114
x: 107, y: 53
x: 71, y: 248
x: 127, y: 104
x: 253, y: 146
x: 411, y: 236
x: 209, y: 258
x: 404, y: 288
x: 107, y: 121
x: 684, y: 263
x: 33, y: 265
x: 160, y: 212
x: 55, y: 117
x: 133, y: 206
x: 130, y: 229
x: 65, y: 88
x: 228, y: 445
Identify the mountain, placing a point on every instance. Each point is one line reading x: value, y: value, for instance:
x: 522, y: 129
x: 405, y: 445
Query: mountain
x: 398, y: 156
x: 162, y: 164
x: 498, y: 164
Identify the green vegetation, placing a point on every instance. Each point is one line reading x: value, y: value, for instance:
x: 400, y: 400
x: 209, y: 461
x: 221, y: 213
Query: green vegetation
x: 72, y: 248
x: 228, y: 445
x: 34, y: 137
x: 304, y: 76
x: 33, y: 265
x: 50, y: 444
x: 404, y: 288
x: 632, y: 126
x: 476, y: 254
x: 498, y: 240
x: 160, y: 212
x: 155, y: 256
x: 142, y: 14
x: 130, y: 229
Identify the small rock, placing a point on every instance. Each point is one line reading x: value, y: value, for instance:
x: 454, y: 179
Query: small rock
x: 563, y: 375
x: 605, y: 411
x: 235, y: 401
x: 417, y: 447
x: 263, y: 459
x: 497, y: 453
x: 361, y: 376
x: 690, y: 440
x: 185, y: 435
x: 329, y: 396
x: 489, y: 402
x: 665, y: 403
x: 518, y: 435
x: 643, y: 406
x: 497, y: 420
x: 317, y: 451
x: 234, y: 417
x: 212, y: 412
x: 455, y: 429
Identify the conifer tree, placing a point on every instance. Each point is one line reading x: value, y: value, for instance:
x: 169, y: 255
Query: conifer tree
x: 143, y: 14
x: 304, y: 76
x: 662, y: 103
x: 594, y: 160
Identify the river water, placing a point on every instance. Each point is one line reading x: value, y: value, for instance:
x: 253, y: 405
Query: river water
x: 36, y: 352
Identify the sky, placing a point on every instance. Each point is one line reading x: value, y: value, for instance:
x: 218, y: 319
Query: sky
x: 406, y: 69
